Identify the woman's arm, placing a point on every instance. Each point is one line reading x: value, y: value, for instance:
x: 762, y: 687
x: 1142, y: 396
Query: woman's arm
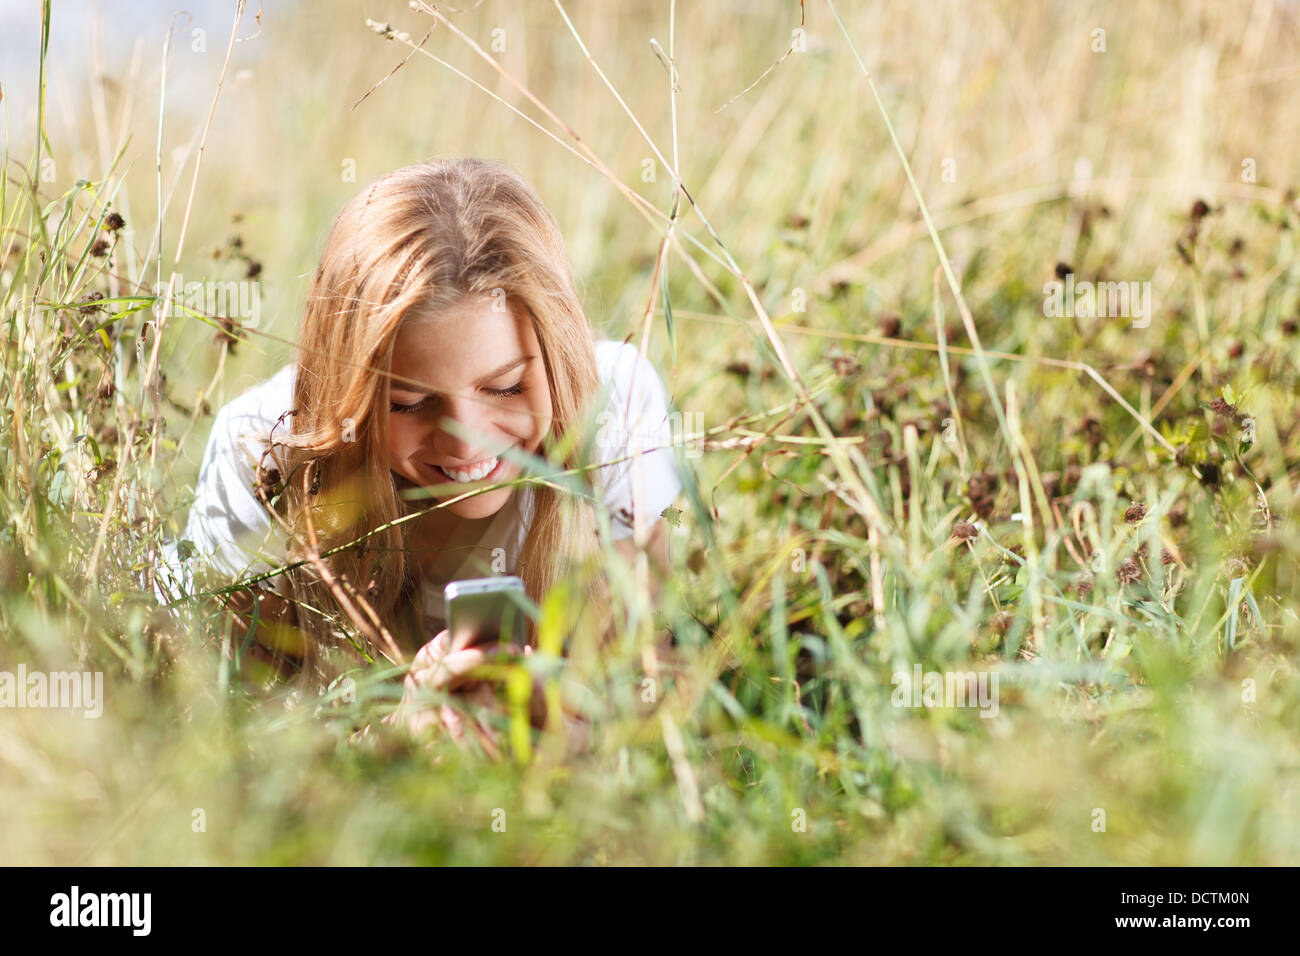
x: 272, y: 611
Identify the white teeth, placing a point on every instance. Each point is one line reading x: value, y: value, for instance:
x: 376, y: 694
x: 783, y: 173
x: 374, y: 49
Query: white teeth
x: 473, y: 474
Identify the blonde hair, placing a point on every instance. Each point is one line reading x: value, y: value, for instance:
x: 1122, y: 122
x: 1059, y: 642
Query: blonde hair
x: 417, y: 241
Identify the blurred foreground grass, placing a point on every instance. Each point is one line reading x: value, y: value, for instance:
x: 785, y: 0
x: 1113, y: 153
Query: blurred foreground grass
x: 1141, y: 621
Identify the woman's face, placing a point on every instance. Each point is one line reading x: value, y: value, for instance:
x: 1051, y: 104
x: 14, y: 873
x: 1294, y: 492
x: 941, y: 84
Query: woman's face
x: 481, y: 367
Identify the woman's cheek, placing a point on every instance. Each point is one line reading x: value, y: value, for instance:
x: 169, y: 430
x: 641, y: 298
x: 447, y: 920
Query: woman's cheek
x: 534, y: 423
x: 399, y: 440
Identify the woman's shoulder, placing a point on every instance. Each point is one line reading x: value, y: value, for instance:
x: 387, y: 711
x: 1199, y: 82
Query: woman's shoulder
x: 247, y: 421
x: 635, y: 425
x: 624, y: 370
x: 615, y: 358
x: 263, y: 402
x: 228, y: 523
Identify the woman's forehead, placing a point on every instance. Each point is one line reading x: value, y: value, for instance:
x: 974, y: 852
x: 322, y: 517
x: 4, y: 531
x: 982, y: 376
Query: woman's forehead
x: 457, y: 348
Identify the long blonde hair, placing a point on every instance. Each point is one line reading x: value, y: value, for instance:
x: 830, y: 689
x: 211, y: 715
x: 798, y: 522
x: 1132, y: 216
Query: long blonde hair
x: 417, y: 241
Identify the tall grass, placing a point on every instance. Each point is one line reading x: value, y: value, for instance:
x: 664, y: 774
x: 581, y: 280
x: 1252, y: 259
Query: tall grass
x: 906, y: 462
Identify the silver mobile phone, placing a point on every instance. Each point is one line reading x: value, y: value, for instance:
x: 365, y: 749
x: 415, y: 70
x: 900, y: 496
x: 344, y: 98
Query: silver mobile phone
x: 487, y: 611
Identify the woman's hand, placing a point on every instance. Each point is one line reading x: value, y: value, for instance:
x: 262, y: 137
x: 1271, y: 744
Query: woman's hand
x: 440, y: 665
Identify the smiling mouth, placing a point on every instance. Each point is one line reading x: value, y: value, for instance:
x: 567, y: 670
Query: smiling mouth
x: 488, y: 468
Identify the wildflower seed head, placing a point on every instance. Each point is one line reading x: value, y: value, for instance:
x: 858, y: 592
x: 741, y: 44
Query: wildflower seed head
x: 1128, y: 572
x: 1135, y: 512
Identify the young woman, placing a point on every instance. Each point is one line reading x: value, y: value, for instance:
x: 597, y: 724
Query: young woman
x: 442, y: 328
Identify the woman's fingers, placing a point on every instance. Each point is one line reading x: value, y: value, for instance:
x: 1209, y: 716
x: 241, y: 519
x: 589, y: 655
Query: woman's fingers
x: 432, y: 650
x: 455, y: 725
x: 443, y: 664
x: 418, y: 721
x: 487, y: 740
x: 448, y: 670
x: 451, y: 720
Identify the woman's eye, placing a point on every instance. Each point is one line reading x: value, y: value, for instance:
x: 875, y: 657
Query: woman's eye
x: 394, y: 407
x: 405, y: 409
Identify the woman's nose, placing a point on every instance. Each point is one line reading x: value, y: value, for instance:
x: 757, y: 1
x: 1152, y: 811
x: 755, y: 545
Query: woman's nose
x: 461, y: 431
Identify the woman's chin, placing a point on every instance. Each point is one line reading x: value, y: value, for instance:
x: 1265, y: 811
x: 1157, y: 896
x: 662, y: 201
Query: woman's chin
x: 481, y: 506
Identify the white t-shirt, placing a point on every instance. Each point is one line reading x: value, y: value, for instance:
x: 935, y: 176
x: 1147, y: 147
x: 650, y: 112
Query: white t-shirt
x: 232, y: 532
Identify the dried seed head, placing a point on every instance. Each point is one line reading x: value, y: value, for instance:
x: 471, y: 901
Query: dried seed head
x: 982, y: 492
x: 1211, y: 474
x: 91, y: 309
x: 1001, y: 622
x: 269, y: 484
x: 1135, y: 512
x: 845, y: 366
x: 1224, y: 409
x: 1091, y: 429
x: 227, y: 333
x: 1128, y: 572
x: 1144, y: 364
x: 983, y: 483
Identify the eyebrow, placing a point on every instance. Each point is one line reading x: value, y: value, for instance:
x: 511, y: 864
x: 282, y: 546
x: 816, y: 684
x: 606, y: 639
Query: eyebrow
x: 500, y: 370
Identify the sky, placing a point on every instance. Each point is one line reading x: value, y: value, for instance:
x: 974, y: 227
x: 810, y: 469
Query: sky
x: 127, y: 31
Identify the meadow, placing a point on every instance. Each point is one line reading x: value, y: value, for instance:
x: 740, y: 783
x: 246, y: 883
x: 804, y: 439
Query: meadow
x: 908, y: 451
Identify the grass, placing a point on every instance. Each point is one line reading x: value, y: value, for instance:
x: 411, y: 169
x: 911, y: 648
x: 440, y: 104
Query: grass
x: 905, y: 461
